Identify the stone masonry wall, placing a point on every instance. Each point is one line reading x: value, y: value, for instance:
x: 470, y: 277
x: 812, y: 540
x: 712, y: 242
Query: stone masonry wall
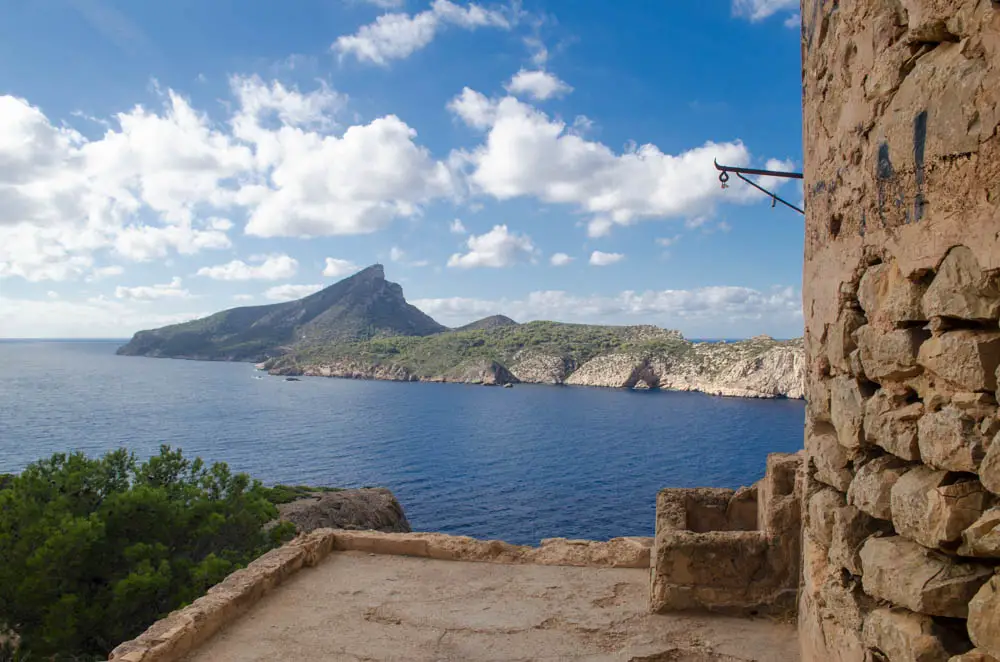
x: 901, y: 296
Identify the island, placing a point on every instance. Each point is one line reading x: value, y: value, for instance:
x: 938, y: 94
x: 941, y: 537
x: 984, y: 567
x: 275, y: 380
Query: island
x: 363, y: 328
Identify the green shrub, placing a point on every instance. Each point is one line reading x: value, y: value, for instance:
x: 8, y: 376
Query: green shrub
x: 95, y: 550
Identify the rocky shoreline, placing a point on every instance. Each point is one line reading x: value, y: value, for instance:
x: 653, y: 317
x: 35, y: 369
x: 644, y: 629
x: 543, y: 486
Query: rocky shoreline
x: 740, y: 369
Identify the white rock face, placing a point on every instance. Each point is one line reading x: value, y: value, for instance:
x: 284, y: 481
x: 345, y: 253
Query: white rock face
x: 747, y: 369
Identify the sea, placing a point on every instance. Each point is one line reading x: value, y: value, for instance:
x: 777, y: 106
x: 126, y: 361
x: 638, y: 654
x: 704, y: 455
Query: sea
x: 517, y: 464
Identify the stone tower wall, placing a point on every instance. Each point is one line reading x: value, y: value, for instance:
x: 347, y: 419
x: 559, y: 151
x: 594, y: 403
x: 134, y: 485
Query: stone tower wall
x: 901, y: 296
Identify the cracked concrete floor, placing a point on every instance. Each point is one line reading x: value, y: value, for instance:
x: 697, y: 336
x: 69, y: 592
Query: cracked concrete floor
x: 357, y: 606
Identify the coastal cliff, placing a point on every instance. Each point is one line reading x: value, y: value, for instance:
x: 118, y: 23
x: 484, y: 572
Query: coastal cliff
x: 760, y: 367
x: 363, y: 328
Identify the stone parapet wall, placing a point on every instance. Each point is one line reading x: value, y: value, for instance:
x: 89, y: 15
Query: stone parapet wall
x: 173, y: 637
x: 733, y: 551
x: 901, y: 297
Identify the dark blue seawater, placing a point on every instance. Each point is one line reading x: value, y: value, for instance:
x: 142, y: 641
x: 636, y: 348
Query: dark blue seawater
x: 517, y: 464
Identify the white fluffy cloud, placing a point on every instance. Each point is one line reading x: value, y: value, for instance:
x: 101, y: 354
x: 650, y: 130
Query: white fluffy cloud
x: 396, y: 36
x: 336, y: 268
x: 270, y: 267
x: 602, y: 259
x: 497, y: 248
x: 540, y: 85
x: 560, y: 259
x: 757, y: 10
x: 474, y: 108
x: 723, y: 307
x: 171, y: 290
x: 457, y: 227
x: 527, y: 153
x: 290, y: 292
x: 165, y: 180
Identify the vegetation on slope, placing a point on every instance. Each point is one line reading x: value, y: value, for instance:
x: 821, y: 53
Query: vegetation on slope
x: 95, y: 550
x: 434, y: 355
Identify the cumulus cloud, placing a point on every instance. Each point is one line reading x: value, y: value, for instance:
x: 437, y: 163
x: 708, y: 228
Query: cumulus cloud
x: 171, y: 290
x: 540, y: 85
x: 474, y: 108
x: 165, y: 180
x: 757, y: 10
x: 457, y: 227
x: 397, y: 35
x: 527, y: 153
x: 335, y: 268
x: 497, y: 248
x: 290, y: 292
x: 396, y: 254
x: 270, y: 267
x: 724, y: 307
x: 560, y: 259
x: 602, y: 259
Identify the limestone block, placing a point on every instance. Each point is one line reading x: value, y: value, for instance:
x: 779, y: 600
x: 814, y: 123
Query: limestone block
x: 828, y: 457
x: 888, y: 298
x: 892, y: 355
x: 851, y: 528
x: 847, y: 400
x: 975, y: 655
x: 982, y: 538
x: 823, y: 638
x: 892, y: 424
x: 961, y: 289
x: 821, y: 509
x: 904, y: 636
x: 929, y: 507
x: 840, y: 339
x: 950, y: 439
x: 872, y: 486
x: 965, y: 358
x: 989, y: 468
x: 818, y: 400
x: 922, y: 580
x: 984, y: 618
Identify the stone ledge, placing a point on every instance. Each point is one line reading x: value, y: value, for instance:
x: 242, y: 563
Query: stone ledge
x: 180, y: 632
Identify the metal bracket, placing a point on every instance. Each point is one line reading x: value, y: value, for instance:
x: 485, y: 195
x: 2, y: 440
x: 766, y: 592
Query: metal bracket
x: 724, y: 178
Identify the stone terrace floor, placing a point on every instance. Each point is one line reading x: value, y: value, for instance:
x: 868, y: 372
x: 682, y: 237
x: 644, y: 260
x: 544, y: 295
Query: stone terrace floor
x: 359, y: 606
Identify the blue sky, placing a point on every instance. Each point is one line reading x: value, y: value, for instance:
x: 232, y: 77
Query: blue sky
x: 546, y: 160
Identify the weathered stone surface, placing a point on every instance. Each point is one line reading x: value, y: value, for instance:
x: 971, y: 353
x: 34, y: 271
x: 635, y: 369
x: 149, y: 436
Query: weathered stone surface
x: 840, y: 339
x: 966, y: 359
x: 950, y: 439
x: 890, y: 355
x: 961, y: 289
x: 989, y: 468
x: 984, y: 618
x: 924, y: 581
x: 832, y: 606
x: 818, y: 400
x: 929, y: 507
x: 871, y: 488
x: 364, y: 509
x: 823, y: 505
x: 982, y: 538
x: 888, y: 298
x: 903, y: 636
x: 975, y: 655
x: 847, y: 402
x: 828, y: 457
x: 851, y: 528
x: 891, y: 423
